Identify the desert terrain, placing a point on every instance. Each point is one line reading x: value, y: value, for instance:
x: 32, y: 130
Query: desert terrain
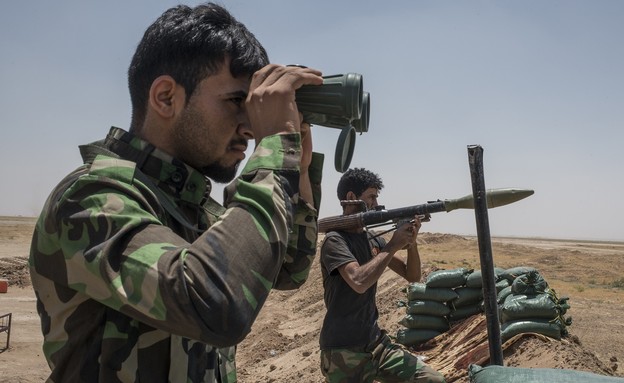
x: 283, y: 344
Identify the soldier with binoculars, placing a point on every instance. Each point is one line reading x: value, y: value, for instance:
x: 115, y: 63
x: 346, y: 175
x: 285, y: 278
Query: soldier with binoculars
x: 140, y: 275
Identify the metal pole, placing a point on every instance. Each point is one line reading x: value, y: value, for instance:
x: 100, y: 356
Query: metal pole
x: 475, y: 159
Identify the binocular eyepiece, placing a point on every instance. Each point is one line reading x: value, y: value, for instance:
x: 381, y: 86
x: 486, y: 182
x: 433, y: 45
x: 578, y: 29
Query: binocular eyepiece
x: 341, y: 103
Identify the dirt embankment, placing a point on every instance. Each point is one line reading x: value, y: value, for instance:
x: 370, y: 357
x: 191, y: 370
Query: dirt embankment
x: 283, y: 344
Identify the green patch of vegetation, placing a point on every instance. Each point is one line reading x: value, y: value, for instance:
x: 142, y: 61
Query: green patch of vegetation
x: 618, y: 283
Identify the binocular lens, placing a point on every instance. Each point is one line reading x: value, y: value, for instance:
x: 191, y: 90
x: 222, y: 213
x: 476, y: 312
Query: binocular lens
x: 361, y: 125
x: 344, y: 149
x: 339, y: 96
x: 341, y: 103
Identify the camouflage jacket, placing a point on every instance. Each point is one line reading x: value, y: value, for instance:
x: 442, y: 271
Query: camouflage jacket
x: 140, y: 276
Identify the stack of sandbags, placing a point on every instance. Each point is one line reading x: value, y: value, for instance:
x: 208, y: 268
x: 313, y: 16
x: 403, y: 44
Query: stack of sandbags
x: 525, y: 303
x: 510, y: 276
x: 470, y: 300
x: 530, y: 306
x: 431, y: 305
x: 426, y: 313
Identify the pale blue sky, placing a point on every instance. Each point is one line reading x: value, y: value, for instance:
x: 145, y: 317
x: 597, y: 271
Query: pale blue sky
x: 538, y: 84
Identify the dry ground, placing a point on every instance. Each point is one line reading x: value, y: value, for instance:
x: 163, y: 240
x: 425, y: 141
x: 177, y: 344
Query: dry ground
x: 283, y: 345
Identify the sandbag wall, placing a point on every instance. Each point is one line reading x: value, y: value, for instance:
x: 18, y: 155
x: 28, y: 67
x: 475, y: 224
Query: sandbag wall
x: 452, y: 295
x: 529, y: 305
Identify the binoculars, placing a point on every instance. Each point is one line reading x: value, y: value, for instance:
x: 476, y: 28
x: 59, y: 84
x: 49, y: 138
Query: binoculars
x: 341, y: 103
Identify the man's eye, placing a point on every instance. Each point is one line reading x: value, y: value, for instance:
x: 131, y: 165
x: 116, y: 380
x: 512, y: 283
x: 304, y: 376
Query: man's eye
x: 238, y: 101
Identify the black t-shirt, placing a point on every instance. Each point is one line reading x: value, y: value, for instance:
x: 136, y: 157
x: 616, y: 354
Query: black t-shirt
x: 351, y: 318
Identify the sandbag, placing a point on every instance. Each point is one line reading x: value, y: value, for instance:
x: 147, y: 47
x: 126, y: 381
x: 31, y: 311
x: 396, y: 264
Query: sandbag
x: 448, y: 278
x: 554, y: 328
x: 501, y: 285
x: 538, y: 306
x: 503, y: 294
x: 413, y: 337
x: 428, y: 322
x: 498, y: 374
x: 531, y: 283
x: 422, y: 307
x: 465, y: 311
x: 475, y: 279
x: 513, y: 272
x: 467, y: 296
x: 420, y: 291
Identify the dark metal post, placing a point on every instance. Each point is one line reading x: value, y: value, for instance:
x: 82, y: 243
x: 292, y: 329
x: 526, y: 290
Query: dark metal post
x: 475, y: 159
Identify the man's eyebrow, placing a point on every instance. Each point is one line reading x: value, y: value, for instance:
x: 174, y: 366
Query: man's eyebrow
x: 236, y: 93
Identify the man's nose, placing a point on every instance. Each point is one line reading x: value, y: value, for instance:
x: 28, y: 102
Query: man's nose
x: 244, y: 128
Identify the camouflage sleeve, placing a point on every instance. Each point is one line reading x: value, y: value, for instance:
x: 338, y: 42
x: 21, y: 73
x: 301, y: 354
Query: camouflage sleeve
x: 303, y: 238
x: 106, y: 239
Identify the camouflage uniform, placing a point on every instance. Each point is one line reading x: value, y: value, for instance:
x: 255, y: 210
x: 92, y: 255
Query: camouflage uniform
x: 384, y: 362
x: 130, y: 284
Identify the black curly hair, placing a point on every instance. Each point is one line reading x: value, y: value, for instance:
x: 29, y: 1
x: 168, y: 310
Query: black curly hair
x: 189, y: 44
x: 358, y: 180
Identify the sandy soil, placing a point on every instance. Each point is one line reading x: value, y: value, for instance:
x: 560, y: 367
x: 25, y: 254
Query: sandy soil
x: 283, y: 345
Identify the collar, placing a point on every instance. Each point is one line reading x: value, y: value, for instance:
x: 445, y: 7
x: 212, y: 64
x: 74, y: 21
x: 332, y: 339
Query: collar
x: 183, y: 181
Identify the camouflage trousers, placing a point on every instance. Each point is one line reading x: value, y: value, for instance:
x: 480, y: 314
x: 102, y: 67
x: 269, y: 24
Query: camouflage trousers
x: 384, y: 362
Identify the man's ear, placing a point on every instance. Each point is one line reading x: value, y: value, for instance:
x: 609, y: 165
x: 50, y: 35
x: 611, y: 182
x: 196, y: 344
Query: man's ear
x: 351, y: 196
x: 166, y: 97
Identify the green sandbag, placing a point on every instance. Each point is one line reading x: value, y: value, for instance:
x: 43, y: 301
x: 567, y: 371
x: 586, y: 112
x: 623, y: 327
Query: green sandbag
x: 475, y: 279
x: 503, y: 294
x: 514, y: 272
x: 529, y: 283
x: 554, y: 328
x: 466, y: 311
x: 448, y: 278
x: 420, y: 291
x: 499, y: 374
x: 467, y: 296
x: 537, y: 306
x: 502, y: 284
x: 421, y: 307
x: 425, y: 322
x: 413, y: 337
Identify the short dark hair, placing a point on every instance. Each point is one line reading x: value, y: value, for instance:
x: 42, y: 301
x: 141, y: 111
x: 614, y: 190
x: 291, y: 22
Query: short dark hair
x: 189, y: 44
x: 358, y: 180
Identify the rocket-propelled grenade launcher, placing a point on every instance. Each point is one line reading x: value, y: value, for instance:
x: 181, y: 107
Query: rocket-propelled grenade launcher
x: 495, y: 198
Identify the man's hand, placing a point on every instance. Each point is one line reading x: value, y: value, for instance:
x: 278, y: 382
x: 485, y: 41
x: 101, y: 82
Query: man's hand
x: 270, y: 104
x: 402, y: 237
x: 405, y: 234
x: 306, y: 145
x: 305, y: 187
x: 416, y: 224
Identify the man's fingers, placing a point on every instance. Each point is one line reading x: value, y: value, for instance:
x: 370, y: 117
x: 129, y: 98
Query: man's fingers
x: 271, y: 105
x: 305, y: 127
x: 292, y: 77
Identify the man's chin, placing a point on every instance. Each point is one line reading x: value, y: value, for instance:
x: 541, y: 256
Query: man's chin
x: 220, y: 174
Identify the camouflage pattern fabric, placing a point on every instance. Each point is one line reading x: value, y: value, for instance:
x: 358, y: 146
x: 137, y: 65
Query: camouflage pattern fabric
x: 386, y: 362
x: 130, y: 289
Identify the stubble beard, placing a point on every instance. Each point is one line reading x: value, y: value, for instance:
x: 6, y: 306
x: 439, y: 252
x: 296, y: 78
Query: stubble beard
x: 191, y: 126
x: 219, y: 173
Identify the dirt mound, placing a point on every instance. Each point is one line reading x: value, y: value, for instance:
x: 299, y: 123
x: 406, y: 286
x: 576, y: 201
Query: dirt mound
x: 15, y: 270
x: 433, y: 238
x: 283, y: 343
x: 466, y: 343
